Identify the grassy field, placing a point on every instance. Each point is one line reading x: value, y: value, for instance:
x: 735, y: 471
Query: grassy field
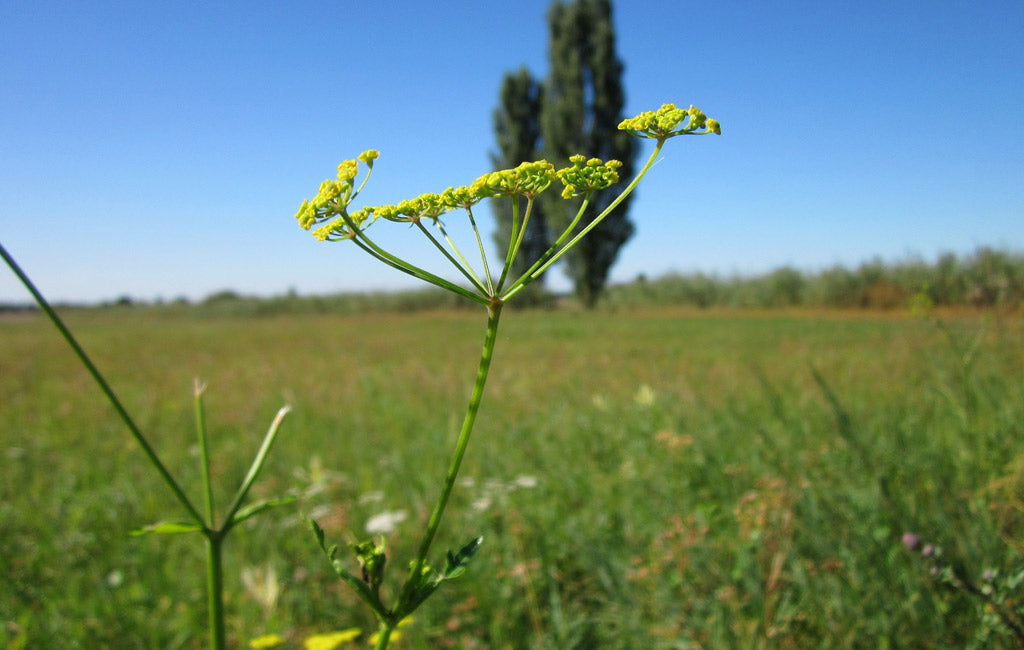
x: 641, y: 480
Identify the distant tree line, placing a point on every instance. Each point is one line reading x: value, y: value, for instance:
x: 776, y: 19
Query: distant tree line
x: 987, y: 278
x: 983, y: 279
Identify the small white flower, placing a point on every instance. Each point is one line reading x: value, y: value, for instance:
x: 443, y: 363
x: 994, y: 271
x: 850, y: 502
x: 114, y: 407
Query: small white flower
x: 114, y: 579
x: 481, y: 504
x: 525, y: 481
x: 385, y: 522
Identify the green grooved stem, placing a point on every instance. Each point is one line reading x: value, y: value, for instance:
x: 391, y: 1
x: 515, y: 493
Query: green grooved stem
x: 383, y: 637
x: 493, y: 316
x: 215, y: 589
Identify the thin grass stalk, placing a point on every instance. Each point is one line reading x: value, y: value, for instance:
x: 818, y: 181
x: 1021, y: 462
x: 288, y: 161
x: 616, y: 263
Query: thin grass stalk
x: 204, y: 453
x: 254, y: 469
x: 105, y: 387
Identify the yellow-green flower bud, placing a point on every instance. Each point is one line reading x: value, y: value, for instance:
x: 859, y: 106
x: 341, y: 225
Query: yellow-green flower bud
x: 348, y: 170
x: 457, y: 198
x: 528, y: 179
x: 340, y: 228
x: 431, y: 205
x: 670, y: 121
x: 584, y: 178
x: 359, y: 217
x: 324, y: 232
x: 409, y: 208
x: 306, y: 215
x: 388, y: 212
x: 332, y: 200
x: 330, y: 189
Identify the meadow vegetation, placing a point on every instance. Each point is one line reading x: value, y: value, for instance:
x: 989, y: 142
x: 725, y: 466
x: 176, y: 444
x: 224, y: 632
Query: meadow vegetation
x: 986, y: 278
x: 643, y: 478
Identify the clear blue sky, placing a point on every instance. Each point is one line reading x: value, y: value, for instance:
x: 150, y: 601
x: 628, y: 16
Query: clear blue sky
x: 159, y: 150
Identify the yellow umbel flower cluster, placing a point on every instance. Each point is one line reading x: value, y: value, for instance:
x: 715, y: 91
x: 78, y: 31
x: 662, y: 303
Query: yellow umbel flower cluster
x: 334, y: 195
x: 329, y: 208
x: 528, y: 179
x: 669, y: 121
x: 586, y: 176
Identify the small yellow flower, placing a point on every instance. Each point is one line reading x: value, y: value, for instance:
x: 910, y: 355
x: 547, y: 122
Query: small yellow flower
x: 267, y: 641
x: 528, y: 179
x: 331, y: 640
x: 331, y: 199
x: 330, y: 189
x: 369, y: 156
x: 669, y: 121
x: 463, y: 196
x: 306, y: 215
x: 587, y: 176
x: 347, y: 170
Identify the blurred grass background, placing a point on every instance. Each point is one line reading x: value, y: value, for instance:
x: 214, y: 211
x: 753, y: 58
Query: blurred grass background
x: 643, y: 478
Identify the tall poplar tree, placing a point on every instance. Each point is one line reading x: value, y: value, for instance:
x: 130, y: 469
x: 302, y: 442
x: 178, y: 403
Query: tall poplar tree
x: 580, y: 113
x: 517, y: 127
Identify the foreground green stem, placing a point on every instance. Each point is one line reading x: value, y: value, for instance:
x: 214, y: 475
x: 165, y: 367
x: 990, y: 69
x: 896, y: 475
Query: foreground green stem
x: 215, y: 588
x: 214, y: 539
x: 213, y: 534
x: 384, y: 636
x: 493, y: 316
x: 107, y: 390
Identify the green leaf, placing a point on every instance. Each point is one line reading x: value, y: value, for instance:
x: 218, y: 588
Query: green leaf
x: 372, y: 559
x: 319, y: 533
x: 456, y: 565
x: 254, y: 509
x: 168, y: 528
x: 427, y: 582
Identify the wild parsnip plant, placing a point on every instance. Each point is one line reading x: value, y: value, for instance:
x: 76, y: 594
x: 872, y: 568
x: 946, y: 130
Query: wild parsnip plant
x: 206, y: 523
x: 329, y: 212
